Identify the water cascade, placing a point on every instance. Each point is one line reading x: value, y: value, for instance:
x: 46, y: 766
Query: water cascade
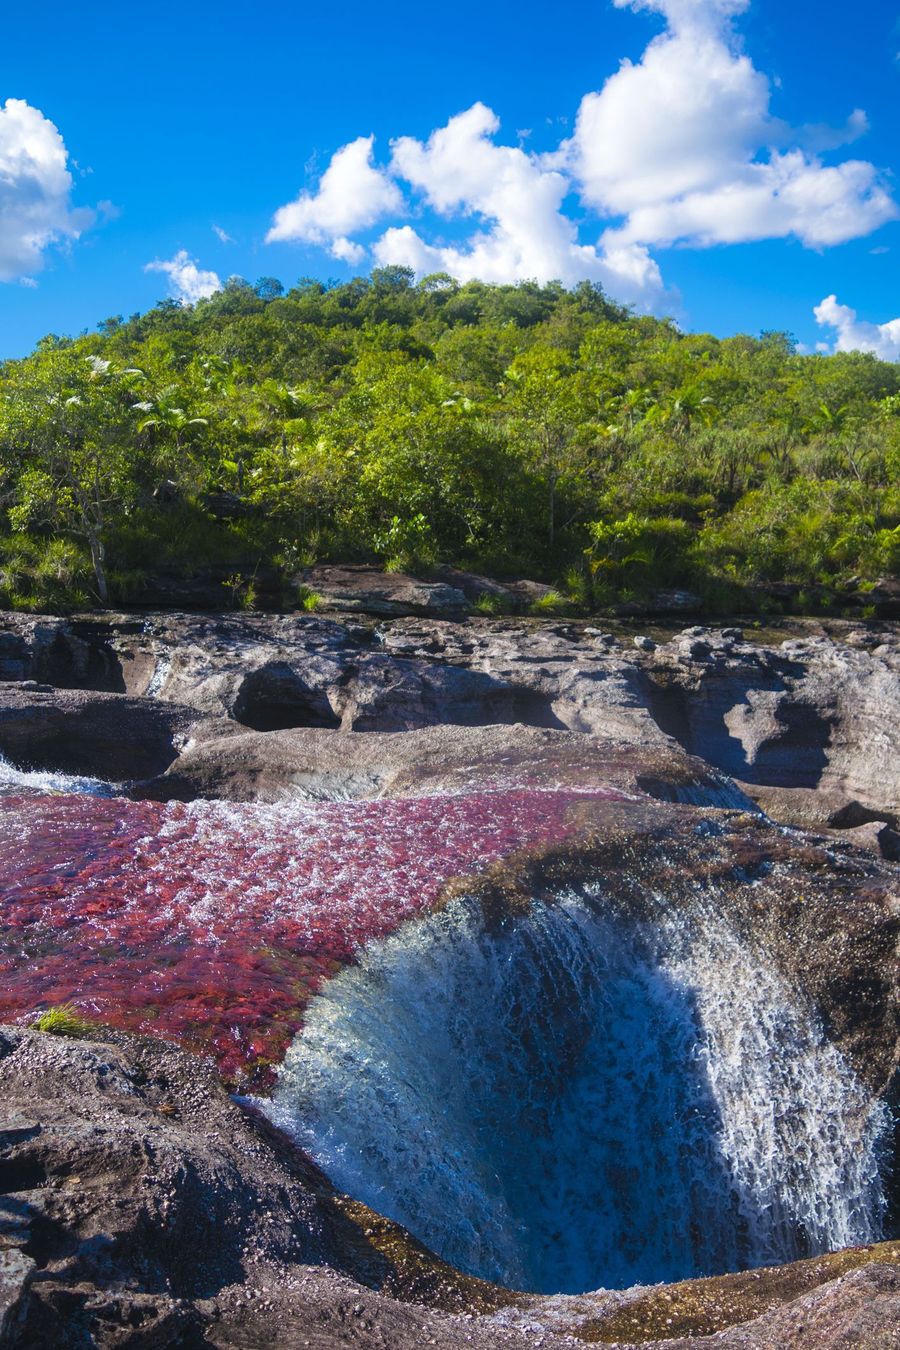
x: 577, y: 1097
x: 14, y: 782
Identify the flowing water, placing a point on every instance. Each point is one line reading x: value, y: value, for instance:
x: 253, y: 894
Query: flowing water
x: 579, y: 1100
x: 26, y: 782
x: 213, y: 923
x: 591, y: 1092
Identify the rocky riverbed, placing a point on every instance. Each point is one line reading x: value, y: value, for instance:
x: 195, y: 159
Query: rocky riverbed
x: 226, y: 839
x: 807, y: 727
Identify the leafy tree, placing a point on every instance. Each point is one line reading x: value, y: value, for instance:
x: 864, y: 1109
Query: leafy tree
x: 508, y: 428
x: 550, y: 407
x: 68, y: 420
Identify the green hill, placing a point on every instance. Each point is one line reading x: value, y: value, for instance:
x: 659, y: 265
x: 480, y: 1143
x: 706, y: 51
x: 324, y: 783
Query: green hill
x: 509, y: 429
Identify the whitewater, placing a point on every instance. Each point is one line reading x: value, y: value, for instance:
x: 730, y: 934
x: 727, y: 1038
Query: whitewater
x: 574, y: 1100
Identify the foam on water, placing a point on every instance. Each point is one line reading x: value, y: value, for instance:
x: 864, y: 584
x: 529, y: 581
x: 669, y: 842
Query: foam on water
x: 578, y: 1100
x: 46, y: 782
x: 213, y: 922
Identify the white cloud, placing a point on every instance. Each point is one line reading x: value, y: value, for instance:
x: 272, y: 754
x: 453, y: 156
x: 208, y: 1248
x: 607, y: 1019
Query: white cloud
x: 684, y: 147
x: 855, y: 334
x: 352, y: 195
x: 462, y: 172
x: 789, y: 195
x: 35, y: 190
x: 678, y: 148
x: 689, y: 14
x: 823, y: 137
x: 522, y: 231
x: 345, y: 249
x: 187, y: 282
x: 222, y: 235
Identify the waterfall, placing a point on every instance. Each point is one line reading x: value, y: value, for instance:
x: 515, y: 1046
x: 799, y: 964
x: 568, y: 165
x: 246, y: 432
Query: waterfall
x: 45, y: 781
x: 574, y: 1099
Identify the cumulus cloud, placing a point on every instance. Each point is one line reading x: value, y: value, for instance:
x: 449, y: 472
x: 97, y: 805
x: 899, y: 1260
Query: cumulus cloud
x: 855, y: 334
x: 684, y: 147
x: 789, y: 195
x: 689, y: 14
x: 462, y: 171
x: 35, y: 190
x: 352, y: 195
x: 679, y: 148
x: 187, y: 282
x: 345, y: 249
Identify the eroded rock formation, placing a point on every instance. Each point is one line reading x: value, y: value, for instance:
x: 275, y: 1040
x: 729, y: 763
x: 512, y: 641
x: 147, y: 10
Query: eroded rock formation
x: 142, y: 1207
x: 302, y: 787
x: 808, y: 726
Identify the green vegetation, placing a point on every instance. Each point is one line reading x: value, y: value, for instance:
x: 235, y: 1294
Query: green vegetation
x: 309, y: 600
x: 63, y: 1020
x: 513, y: 430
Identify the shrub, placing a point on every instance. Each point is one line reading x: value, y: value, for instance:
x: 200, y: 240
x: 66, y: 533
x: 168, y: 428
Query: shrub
x: 241, y: 590
x: 408, y: 544
x: 639, y: 553
x: 807, y: 532
x: 44, y: 574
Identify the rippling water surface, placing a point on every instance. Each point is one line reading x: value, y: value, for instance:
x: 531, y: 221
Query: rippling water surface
x: 214, y: 922
x: 561, y: 1098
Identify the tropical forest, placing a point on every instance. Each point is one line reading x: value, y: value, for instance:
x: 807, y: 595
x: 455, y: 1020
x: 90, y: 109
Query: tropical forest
x: 512, y: 430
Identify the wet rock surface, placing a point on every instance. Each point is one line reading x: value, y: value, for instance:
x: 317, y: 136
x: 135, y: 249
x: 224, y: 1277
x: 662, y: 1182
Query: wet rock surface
x: 142, y: 1207
x: 139, y: 1204
x: 850, y: 1298
x: 807, y: 726
x: 313, y: 765
x: 95, y: 734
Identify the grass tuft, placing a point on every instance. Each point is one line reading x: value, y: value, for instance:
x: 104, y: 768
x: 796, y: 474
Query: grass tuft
x: 309, y: 600
x: 63, y: 1020
x: 552, y: 605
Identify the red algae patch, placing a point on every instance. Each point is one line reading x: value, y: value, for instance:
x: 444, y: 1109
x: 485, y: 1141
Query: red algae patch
x: 213, y: 924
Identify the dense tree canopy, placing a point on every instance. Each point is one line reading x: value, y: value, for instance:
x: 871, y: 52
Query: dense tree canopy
x: 513, y: 429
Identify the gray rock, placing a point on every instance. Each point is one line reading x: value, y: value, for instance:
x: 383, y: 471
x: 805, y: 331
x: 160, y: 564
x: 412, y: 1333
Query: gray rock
x: 16, y: 1271
x: 315, y: 765
x: 108, y: 736
x: 876, y: 837
x: 676, y: 602
x: 369, y: 591
x: 812, y: 716
x: 808, y: 726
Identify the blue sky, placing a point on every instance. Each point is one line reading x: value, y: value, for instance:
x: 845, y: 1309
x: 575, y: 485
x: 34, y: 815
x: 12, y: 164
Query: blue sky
x: 739, y: 172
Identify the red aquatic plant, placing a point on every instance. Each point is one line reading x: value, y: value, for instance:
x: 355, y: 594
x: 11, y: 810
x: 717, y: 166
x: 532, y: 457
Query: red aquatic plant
x: 212, y: 923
